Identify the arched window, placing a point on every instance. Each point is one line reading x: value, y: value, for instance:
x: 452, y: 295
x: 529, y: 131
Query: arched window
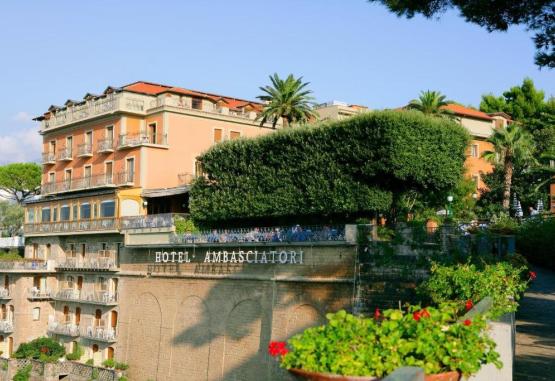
x: 36, y: 313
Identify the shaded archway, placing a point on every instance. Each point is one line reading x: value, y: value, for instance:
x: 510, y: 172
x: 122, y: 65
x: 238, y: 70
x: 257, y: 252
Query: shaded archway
x: 303, y: 316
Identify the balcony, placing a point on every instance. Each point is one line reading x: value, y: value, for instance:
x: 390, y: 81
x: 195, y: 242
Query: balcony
x: 63, y: 328
x: 6, y: 326
x: 103, y: 298
x: 105, y: 260
x: 84, y: 150
x: 106, y: 145
x: 151, y: 221
x: 65, y: 154
x: 25, y: 265
x: 136, y: 140
x: 68, y: 295
x: 99, y: 333
x: 78, y: 226
x: 93, y: 108
x: 48, y: 158
x: 4, y: 294
x: 88, y: 182
x: 38, y: 294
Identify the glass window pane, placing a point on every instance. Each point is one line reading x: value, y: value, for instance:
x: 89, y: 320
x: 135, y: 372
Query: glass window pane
x: 64, y: 213
x: 85, y: 211
x: 108, y: 208
x: 45, y: 216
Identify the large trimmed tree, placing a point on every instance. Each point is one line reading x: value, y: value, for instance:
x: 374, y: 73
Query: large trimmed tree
x: 431, y: 103
x: 20, y: 180
x: 511, y: 144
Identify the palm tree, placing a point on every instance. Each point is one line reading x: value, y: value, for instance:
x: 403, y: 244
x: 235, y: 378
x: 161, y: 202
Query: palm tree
x: 431, y: 103
x: 288, y: 99
x: 510, y: 144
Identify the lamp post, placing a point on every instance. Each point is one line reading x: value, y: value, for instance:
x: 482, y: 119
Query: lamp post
x: 449, y: 201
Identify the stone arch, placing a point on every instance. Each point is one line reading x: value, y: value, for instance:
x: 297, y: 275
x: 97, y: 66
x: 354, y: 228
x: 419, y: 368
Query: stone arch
x: 243, y: 360
x: 191, y: 340
x: 304, y: 316
x: 145, y: 331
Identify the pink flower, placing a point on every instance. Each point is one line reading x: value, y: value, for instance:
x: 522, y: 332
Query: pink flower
x: 467, y: 322
x: 377, y: 314
x: 532, y: 275
x: 468, y: 305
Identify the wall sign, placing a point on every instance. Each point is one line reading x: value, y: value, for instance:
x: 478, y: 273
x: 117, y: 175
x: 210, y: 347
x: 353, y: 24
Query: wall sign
x: 240, y: 256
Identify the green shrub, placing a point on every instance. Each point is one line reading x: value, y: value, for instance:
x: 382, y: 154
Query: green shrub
x: 503, y: 224
x: 89, y: 362
x: 23, y: 374
x: 108, y: 363
x: 430, y: 338
x: 462, y: 282
x: 11, y: 255
x: 76, y: 354
x: 43, y: 349
x: 121, y: 366
x: 536, y: 241
x: 183, y: 225
x: 335, y: 170
x: 122, y: 378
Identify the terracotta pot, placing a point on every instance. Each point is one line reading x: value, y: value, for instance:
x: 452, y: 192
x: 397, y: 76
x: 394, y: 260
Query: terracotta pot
x: 448, y: 376
x: 315, y: 376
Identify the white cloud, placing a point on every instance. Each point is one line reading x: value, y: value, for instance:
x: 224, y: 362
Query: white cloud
x: 22, y: 117
x: 20, y: 146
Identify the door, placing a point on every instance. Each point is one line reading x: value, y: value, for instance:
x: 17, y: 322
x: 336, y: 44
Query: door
x: 114, y: 320
x: 109, y: 173
x: 97, y: 317
x: 79, y: 283
x: 88, y: 174
x: 69, y: 146
x: 6, y: 282
x: 130, y: 170
x: 83, y: 250
x: 66, y: 314
x: 97, y: 355
x: 110, y: 353
x: 152, y: 133
x: 77, y: 315
x: 35, y: 250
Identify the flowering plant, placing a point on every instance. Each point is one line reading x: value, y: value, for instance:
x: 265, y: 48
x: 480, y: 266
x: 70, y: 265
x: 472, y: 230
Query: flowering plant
x: 277, y: 348
x: 431, y: 338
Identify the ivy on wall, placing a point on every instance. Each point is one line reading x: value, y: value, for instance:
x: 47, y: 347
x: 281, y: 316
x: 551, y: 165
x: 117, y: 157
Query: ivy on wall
x: 332, y: 170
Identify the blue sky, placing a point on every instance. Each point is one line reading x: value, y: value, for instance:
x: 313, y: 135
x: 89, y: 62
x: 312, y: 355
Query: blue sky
x: 349, y: 50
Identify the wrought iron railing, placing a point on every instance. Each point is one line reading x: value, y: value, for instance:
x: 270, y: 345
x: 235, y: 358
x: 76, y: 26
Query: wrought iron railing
x: 48, y: 157
x: 89, y: 262
x: 264, y: 234
x: 84, y: 149
x: 133, y: 140
x: 100, y: 297
x: 105, y: 145
x: 100, y: 224
x: 65, y: 154
x: 62, y: 328
x: 85, y: 182
x: 4, y: 293
x: 99, y: 333
x: 6, y: 326
x: 36, y: 293
x: 149, y: 221
x: 24, y: 265
x: 68, y: 294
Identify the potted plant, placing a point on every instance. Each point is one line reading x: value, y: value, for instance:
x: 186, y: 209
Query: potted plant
x: 352, y: 348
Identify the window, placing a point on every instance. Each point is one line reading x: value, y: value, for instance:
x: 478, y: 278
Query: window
x: 130, y: 169
x: 52, y: 148
x: 45, y: 215
x: 152, y: 133
x: 474, y: 150
x: 110, y: 133
x: 85, y: 210
x: 108, y: 208
x: 75, y: 209
x: 67, y: 177
x: 54, y: 214
x: 70, y: 281
x: 109, y: 172
x: 218, y: 135
x: 234, y: 135
x: 69, y: 146
x: 102, y: 284
x: 64, y: 213
x: 31, y: 215
x: 88, y: 139
x: 36, y: 313
x: 197, y: 104
x: 51, y: 177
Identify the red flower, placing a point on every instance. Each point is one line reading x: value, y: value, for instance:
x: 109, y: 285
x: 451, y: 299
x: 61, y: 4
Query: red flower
x: 277, y: 348
x: 424, y: 313
x: 416, y: 315
x: 43, y: 349
x: 377, y: 314
x: 532, y: 275
x: 468, y: 305
x: 467, y: 322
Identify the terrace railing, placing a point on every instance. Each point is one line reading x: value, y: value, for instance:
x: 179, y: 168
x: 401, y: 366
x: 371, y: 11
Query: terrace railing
x: 5, y: 293
x: 62, y: 328
x: 265, y: 234
x: 35, y: 293
x: 134, y: 140
x: 24, y: 265
x: 99, y: 333
x: 90, y: 262
x: 85, y: 182
x: 99, y: 224
x: 100, y: 297
x: 6, y: 326
x: 149, y: 221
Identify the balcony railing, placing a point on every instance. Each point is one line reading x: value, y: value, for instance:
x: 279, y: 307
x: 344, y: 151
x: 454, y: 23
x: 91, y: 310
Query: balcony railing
x: 62, y: 328
x: 94, y: 262
x: 68, y: 294
x: 35, y: 293
x: 100, y: 297
x: 106, y: 145
x: 84, y: 150
x: 264, y: 234
x: 99, y: 333
x: 4, y: 294
x: 86, y: 182
x: 101, y: 224
x: 6, y: 326
x: 150, y: 221
x: 135, y: 140
x: 65, y: 154
x: 94, y: 108
x: 48, y: 158
x: 24, y: 265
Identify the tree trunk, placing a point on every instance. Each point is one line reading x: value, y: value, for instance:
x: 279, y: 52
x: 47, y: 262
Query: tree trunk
x: 507, y: 182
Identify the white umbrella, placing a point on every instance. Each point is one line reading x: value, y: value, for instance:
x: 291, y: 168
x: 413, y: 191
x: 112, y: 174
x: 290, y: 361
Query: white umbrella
x: 539, y: 206
x: 519, y: 212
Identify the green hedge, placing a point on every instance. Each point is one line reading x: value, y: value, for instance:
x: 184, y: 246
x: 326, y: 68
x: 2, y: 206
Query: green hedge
x: 536, y: 241
x: 343, y: 168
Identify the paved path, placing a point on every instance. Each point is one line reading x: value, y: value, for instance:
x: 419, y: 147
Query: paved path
x: 535, y: 338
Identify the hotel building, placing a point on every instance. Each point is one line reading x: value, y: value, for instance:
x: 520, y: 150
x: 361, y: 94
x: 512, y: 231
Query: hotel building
x: 110, y: 162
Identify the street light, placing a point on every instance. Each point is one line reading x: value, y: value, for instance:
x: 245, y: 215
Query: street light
x: 449, y: 200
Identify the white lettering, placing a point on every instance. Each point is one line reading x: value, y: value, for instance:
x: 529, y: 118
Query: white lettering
x: 293, y: 257
x: 241, y: 256
x: 165, y: 257
x: 283, y: 257
x: 158, y: 256
x: 248, y: 254
x: 207, y: 257
x: 264, y: 259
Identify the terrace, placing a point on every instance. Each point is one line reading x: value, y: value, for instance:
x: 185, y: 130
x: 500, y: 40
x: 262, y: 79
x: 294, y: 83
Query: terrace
x: 6, y: 326
x: 36, y: 293
x: 105, y: 260
x: 105, y: 224
x: 99, y: 331
x: 104, y: 180
x: 137, y: 140
x: 26, y: 265
x: 103, y: 298
x: 5, y: 294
